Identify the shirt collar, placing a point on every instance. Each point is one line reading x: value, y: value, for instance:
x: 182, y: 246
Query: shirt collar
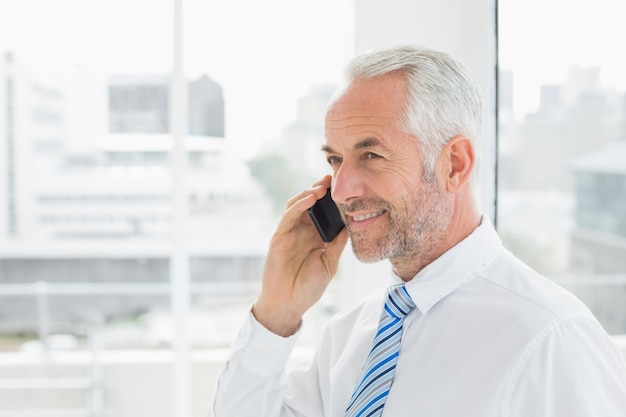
x: 455, y: 267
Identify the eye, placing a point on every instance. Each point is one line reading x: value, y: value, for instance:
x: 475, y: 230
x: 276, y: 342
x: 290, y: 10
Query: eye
x: 371, y: 155
x: 333, y: 160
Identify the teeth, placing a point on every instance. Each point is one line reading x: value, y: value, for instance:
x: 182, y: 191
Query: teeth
x: 366, y: 216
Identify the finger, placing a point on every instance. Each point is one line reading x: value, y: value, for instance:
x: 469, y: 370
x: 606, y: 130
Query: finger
x: 293, y: 214
x: 317, y: 187
x: 318, y: 190
x: 326, y: 181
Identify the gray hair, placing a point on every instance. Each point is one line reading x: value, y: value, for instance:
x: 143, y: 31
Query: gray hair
x: 443, y: 99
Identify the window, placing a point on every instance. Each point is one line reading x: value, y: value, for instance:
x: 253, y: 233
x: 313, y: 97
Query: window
x: 562, y: 138
x: 120, y: 265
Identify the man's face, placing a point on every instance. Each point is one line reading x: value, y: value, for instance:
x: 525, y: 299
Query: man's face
x: 390, y: 212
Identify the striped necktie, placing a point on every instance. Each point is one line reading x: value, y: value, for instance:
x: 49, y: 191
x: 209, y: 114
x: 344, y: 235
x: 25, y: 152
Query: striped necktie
x: 370, y: 395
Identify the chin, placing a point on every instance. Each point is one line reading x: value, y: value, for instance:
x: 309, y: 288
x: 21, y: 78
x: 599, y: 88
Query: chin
x: 368, y: 253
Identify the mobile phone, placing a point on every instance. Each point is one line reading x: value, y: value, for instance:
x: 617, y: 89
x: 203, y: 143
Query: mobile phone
x: 326, y: 217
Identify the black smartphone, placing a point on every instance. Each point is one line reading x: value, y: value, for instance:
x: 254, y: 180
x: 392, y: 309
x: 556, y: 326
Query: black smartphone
x: 326, y: 217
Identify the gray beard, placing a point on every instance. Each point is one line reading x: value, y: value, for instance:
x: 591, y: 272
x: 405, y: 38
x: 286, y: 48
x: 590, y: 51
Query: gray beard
x: 414, y: 230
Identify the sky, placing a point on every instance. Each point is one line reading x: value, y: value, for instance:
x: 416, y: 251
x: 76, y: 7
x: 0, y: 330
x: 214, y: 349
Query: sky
x: 266, y: 54
x: 541, y: 39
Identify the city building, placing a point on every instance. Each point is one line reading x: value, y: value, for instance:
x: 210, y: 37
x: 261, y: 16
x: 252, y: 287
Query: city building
x: 598, y: 239
x: 140, y: 104
x: 302, y: 139
x: 86, y: 196
x: 572, y: 120
x: 599, y: 236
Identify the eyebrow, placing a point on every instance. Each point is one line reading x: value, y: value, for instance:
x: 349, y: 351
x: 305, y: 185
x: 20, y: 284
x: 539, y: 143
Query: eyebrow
x: 365, y: 143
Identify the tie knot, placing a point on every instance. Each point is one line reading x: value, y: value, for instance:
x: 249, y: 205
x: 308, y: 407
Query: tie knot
x: 398, y: 302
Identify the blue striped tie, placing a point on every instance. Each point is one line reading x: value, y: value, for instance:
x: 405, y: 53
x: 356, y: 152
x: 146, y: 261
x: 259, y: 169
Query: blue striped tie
x: 370, y: 395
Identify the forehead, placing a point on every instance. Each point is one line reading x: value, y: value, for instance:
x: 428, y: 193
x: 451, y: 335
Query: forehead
x: 367, y: 104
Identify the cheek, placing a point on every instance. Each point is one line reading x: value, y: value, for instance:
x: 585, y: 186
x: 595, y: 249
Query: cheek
x: 399, y: 182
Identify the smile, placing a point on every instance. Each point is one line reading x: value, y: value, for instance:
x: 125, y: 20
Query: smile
x: 366, y: 216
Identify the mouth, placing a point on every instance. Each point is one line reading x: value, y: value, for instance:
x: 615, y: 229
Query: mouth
x: 366, y: 216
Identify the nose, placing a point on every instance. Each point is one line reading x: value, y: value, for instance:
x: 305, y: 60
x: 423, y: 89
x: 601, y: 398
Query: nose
x: 347, y: 184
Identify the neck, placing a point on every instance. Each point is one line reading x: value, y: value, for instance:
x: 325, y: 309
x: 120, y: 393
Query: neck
x: 461, y: 224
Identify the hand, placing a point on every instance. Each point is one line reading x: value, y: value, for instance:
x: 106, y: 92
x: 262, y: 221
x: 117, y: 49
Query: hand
x: 299, y: 265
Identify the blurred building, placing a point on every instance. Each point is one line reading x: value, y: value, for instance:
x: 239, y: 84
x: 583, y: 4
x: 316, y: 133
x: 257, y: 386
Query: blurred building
x: 69, y: 288
x: 556, y: 167
x: 599, y: 237
x: 572, y: 120
x: 8, y: 214
x: 295, y: 160
x: 302, y: 140
x: 34, y: 133
x: 206, y: 108
x: 68, y: 176
x: 140, y: 104
x: 85, y: 195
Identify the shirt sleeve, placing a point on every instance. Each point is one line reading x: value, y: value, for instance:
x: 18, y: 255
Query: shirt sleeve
x: 572, y: 370
x: 251, y: 382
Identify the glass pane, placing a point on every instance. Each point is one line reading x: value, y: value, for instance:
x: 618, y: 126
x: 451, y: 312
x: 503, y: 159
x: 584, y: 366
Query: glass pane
x: 85, y: 202
x: 89, y: 310
x: 562, y: 175
x: 84, y: 137
x: 275, y: 65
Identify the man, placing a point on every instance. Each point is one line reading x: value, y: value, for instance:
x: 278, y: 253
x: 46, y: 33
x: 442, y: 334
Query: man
x: 472, y: 332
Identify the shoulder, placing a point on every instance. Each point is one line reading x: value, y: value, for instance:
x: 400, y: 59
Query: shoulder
x: 566, y: 360
x: 526, y: 289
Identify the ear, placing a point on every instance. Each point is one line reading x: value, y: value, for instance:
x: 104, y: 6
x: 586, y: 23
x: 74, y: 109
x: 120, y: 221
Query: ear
x: 458, y: 158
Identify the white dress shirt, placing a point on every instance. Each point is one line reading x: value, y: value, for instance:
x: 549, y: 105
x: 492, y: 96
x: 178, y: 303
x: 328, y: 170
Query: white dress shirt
x: 489, y: 337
